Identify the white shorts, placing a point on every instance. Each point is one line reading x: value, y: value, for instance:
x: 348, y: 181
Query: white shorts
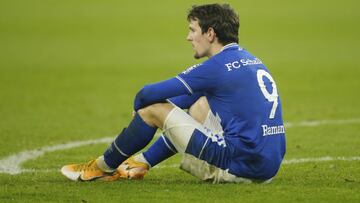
x: 179, y: 128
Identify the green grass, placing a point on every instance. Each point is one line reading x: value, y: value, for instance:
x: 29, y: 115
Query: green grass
x: 69, y: 71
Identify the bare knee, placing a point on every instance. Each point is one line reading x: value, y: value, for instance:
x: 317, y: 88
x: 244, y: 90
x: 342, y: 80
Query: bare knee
x: 148, y: 114
x: 155, y: 114
x: 200, y: 109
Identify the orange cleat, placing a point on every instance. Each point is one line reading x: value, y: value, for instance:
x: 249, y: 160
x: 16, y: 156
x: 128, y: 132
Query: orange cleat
x: 129, y: 169
x: 84, y: 172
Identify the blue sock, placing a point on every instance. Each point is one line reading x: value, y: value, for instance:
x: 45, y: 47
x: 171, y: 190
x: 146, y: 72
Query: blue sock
x: 131, y: 140
x: 159, y: 151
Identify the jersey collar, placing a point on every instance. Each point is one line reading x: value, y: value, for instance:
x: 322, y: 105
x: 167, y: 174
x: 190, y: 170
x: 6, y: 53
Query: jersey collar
x: 229, y: 46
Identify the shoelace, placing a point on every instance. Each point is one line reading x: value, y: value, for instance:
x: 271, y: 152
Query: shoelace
x: 89, y: 166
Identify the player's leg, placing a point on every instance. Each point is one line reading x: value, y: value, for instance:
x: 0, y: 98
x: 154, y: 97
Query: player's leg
x: 137, y: 135
x: 200, y: 109
x: 131, y: 140
x: 163, y: 148
x: 137, y: 166
x: 206, y: 154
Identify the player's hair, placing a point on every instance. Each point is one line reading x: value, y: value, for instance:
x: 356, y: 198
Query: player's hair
x: 221, y: 17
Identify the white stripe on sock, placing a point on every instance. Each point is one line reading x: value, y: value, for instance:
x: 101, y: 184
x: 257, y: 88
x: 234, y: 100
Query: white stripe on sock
x: 162, y: 136
x: 119, y: 150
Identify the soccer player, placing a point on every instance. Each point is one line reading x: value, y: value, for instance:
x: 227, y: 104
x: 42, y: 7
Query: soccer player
x: 233, y: 130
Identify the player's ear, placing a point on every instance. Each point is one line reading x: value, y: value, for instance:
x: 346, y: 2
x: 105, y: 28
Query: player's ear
x: 211, y: 34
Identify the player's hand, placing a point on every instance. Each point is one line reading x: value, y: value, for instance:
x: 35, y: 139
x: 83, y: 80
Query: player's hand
x: 133, y: 113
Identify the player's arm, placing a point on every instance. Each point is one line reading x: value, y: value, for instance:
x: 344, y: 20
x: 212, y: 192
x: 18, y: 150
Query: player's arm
x: 185, y: 101
x: 198, y: 78
x: 159, y: 92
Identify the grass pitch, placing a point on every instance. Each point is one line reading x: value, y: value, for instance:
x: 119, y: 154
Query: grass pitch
x: 69, y: 71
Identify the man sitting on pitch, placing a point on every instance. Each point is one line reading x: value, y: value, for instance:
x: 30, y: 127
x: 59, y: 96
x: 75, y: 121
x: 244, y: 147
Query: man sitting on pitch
x: 233, y: 131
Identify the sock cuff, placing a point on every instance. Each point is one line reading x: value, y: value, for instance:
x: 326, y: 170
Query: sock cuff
x: 139, y: 121
x: 100, y: 162
x: 141, y: 158
x: 169, y: 144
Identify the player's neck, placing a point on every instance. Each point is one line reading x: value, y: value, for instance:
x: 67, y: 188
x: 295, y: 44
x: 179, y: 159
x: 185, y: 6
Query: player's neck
x: 215, y: 48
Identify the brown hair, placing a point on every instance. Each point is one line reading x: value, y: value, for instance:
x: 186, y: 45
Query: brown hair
x: 221, y: 17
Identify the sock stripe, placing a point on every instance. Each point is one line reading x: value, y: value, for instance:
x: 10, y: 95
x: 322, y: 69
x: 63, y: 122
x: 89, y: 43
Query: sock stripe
x: 119, y: 150
x: 203, y: 147
x: 162, y: 136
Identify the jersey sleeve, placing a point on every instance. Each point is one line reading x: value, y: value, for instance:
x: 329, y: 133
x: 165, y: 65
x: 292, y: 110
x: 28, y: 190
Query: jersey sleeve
x: 158, y: 93
x: 199, y: 78
x: 195, y: 80
x: 185, y: 101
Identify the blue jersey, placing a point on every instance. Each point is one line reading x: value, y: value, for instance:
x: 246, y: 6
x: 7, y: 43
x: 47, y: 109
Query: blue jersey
x: 242, y: 93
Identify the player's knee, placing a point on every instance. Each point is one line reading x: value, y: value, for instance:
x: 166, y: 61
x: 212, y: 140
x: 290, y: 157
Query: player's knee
x: 145, y: 113
x: 150, y: 113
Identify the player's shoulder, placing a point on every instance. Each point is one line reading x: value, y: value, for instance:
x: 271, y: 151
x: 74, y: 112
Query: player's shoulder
x: 231, y: 52
x: 237, y: 58
x: 200, y: 67
x: 216, y: 59
x: 191, y: 68
x: 231, y: 57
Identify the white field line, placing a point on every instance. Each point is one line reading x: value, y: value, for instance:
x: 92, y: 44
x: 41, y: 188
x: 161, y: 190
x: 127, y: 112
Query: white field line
x: 320, y: 159
x: 12, y: 164
x: 322, y: 122
x: 285, y: 162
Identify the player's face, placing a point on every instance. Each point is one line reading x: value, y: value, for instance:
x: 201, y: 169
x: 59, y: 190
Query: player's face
x: 199, y: 40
